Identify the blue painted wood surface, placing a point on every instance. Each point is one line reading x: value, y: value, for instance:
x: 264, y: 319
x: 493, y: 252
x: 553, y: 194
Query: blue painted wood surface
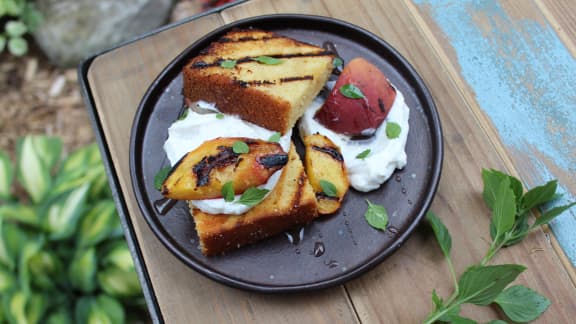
x: 524, y: 79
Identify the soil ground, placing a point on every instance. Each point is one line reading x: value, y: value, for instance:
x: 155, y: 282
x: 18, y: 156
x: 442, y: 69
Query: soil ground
x: 39, y: 98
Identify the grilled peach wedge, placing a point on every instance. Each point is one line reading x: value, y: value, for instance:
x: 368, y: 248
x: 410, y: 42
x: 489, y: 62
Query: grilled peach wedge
x: 326, y: 172
x: 359, y: 102
x: 203, y: 172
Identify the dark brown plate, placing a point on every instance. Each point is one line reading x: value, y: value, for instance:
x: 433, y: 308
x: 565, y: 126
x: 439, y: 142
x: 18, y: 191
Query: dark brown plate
x: 332, y: 249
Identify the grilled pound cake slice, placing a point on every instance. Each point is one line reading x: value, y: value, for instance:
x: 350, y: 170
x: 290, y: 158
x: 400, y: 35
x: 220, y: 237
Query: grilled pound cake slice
x: 273, y: 96
x: 289, y: 204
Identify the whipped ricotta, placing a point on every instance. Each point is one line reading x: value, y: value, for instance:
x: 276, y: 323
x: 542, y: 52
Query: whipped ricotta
x: 385, y: 156
x: 187, y: 134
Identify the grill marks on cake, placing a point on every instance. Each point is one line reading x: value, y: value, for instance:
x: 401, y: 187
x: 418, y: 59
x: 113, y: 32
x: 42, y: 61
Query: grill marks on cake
x: 200, y: 64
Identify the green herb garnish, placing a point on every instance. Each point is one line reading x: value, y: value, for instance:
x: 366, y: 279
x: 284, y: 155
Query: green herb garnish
x: 184, y: 114
x: 252, y: 196
x: 376, y: 216
x: 160, y: 177
x: 267, y: 60
x: 328, y: 188
x: 275, y: 137
x: 240, y: 147
x: 351, y: 91
x: 393, y: 130
x: 228, y: 64
x: 219, y: 116
x: 228, y: 191
x: 362, y: 155
x: 337, y: 62
x: 483, y: 284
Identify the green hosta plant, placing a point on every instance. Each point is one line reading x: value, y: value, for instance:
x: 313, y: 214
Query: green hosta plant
x: 20, y: 17
x: 63, y: 258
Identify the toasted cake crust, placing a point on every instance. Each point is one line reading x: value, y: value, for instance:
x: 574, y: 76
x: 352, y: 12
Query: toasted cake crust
x: 291, y: 203
x: 271, y: 96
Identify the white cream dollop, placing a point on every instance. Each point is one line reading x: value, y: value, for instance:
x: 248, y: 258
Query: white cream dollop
x: 187, y: 134
x: 385, y: 156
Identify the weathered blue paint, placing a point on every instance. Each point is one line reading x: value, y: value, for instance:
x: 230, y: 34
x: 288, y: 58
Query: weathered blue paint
x: 524, y: 80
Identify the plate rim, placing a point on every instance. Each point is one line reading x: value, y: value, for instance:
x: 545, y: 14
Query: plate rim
x: 425, y: 98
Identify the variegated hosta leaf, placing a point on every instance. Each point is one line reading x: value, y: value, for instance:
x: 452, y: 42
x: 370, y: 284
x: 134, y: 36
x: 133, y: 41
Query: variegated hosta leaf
x: 12, y: 241
x: 14, y: 306
x: 32, y: 172
x: 68, y: 180
x: 62, y: 214
x: 46, y: 269
x: 7, y: 280
x: 100, y: 309
x: 20, y: 213
x: 98, y: 223
x: 28, y: 251
x: 49, y: 150
x: 111, y: 308
x: 77, y: 161
x: 6, y: 176
x: 61, y: 315
x: 6, y: 258
x: 119, y: 256
x: 36, y: 307
x: 119, y: 283
x: 82, y: 271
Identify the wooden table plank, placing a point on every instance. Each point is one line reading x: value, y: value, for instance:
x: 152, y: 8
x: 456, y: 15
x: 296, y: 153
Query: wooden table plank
x: 562, y: 17
x: 399, y: 289
x: 523, y: 89
x: 119, y: 80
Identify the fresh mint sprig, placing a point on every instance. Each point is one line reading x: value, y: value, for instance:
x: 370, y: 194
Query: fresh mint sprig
x: 483, y: 284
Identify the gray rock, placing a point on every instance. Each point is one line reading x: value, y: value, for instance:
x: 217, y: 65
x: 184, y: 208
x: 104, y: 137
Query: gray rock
x: 74, y: 29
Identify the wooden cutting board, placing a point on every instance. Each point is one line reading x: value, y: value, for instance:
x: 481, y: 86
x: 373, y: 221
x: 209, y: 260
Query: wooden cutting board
x: 398, y: 290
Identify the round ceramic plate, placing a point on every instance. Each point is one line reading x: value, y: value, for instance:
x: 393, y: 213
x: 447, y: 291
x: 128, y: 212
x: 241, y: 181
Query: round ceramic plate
x: 332, y: 249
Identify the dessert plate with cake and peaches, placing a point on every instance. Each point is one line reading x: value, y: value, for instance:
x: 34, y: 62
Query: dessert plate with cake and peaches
x: 286, y: 153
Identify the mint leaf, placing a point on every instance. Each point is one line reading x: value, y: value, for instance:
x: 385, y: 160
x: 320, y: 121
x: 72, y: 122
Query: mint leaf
x: 504, y: 211
x: 457, y: 319
x: 275, y: 137
x: 228, y: 64
x: 219, y: 116
x: 328, y: 188
x: 492, y: 179
x: 522, y: 304
x: 337, y: 62
x: 441, y: 232
x: 15, y: 28
x: 267, y: 60
x: 252, y: 196
x: 521, y: 229
x: 228, y: 191
x: 351, y: 91
x: 497, y: 322
x: 184, y: 114
x: 362, y: 155
x: 449, y: 316
x: 393, y: 130
x: 550, y: 214
x: 480, y: 285
x: 540, y: 195
x: 376, y: 216
x: 160, y: 176
x: 240, y: 147
x: 437, y: 300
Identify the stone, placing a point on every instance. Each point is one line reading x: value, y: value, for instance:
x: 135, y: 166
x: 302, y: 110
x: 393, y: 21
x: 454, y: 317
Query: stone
x: 72, y: 30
